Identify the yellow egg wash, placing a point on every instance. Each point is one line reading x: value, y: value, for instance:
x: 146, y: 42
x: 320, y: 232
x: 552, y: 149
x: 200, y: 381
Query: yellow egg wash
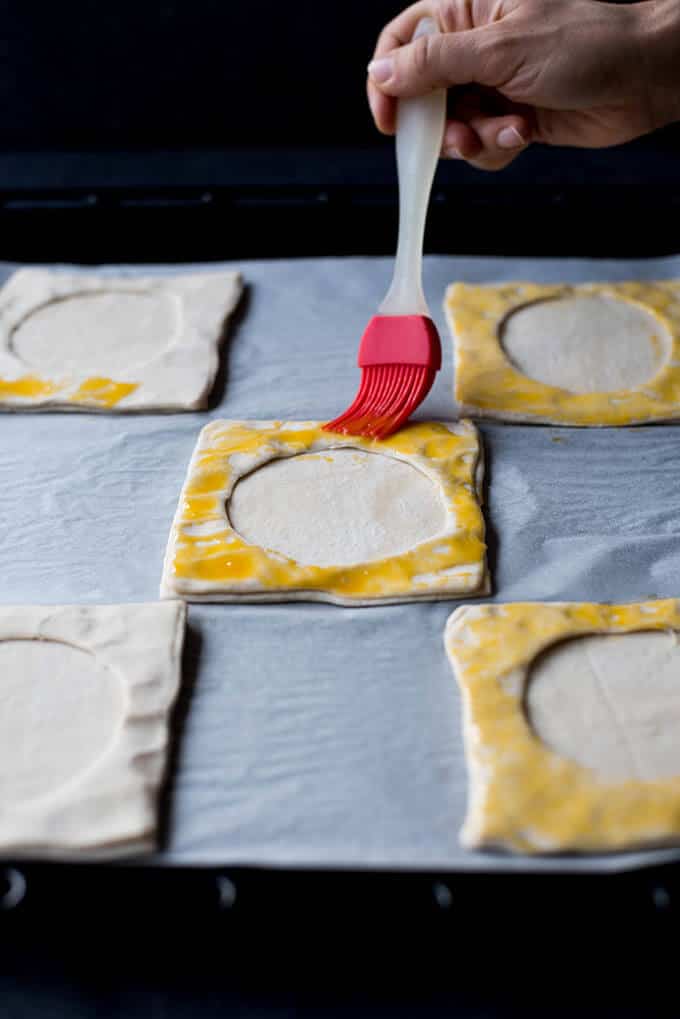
x: 208, y: 555
x: 30, y: 387
x: 487, y: 383
x: 102, y: 392
x: 94, y: 392
x: 526, y: 797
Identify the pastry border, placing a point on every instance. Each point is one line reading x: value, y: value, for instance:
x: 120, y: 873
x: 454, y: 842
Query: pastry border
x: 488, y: 385
x: 522, y: 795
x: 207, y: 560
x: 178, y: 378
x: 109, y: 809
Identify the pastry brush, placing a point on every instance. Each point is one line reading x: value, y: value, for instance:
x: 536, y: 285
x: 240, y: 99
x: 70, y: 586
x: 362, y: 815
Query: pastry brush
x: 400, y: 351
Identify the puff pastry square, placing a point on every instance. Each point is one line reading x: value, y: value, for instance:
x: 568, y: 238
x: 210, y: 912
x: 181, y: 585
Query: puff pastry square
x: 208, y: 560
x: 523, y: 795
x: 85, y: 697
x: 89, y: 342
x: 489, y: 384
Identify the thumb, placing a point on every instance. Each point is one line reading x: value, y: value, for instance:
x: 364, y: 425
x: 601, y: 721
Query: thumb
x: 429, y: 62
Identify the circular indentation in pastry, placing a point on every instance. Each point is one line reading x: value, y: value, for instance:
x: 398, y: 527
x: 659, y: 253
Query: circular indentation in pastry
x: 337, y: 508
x: 107, y: 334
x: 59, y: 711
x: 611, y: 703
x: 586, y: 344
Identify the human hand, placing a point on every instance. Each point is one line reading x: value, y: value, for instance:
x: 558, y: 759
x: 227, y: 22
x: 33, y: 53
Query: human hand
x: 561, y: 72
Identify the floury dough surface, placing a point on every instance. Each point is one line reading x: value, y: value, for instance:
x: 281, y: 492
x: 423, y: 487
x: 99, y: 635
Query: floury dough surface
x: 343, y: 506
x: 85, y: 698
x: 61, y: 709
x: 611, y: 703
x: 294, y: 749
x: 97, y: 342
x: 586, y: 344
x: 97, y: 334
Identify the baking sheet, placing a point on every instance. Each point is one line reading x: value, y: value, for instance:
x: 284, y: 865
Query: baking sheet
x: 314, y: 735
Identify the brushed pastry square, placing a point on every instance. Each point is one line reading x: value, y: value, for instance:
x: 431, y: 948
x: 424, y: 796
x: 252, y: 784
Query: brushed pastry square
x: 571, y: 715
x: 281, y: 511
x: 598, y: 354
x: 86, y: 694
x: 89, y: 342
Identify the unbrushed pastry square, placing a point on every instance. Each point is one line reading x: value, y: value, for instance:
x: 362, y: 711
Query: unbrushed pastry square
x: 84, y: 703
x: 571, y: 714
x: 282, y: 510
x: 594, y: 354
x: 92, y: 342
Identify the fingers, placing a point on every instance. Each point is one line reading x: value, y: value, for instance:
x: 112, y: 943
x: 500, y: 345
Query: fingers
x: 400, y: 30
x: 502, y: 138
x: 395, y: 34
x: 488, y: 143
x: 460, y: 141
x: 402, y: 67
x: 432, y: 61
x: 465, y: 52
x: 450, y: 15
x: 383, y: 109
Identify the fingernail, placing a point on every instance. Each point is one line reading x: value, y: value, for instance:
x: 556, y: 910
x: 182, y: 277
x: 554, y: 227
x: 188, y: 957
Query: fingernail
x: 381, y: 70
x: 452, y: 154
x: 510, y: 138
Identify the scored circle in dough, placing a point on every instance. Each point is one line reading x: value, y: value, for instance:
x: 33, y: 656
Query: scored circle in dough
x: 94, y: 342
x: 526, y: 795
x: 587, y: 355
x: 611, y: 703
x: 85, y: 698
x: 343, y: 506
x: 586, y: 343
x: 96, y: 334
x: 209, y: 559
x: 60, y: 709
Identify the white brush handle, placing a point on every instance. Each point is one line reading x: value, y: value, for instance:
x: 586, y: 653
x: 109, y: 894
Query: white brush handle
x: 420, y: 129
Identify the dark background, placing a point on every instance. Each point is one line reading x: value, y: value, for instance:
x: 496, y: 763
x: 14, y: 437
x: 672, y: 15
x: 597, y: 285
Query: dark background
x: 199, y: 73
x: 208, y: 129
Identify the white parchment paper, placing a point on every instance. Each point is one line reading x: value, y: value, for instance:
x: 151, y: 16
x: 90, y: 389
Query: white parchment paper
x: 315, y: 735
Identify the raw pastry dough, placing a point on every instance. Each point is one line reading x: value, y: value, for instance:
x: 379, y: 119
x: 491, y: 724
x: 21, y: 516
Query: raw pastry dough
x: 528, y: 797
x: 421, y: 542
x: 85, y: 697
x: 599, y: 354
x: 342, y: 507
x: 585, y: 344
x: 88, y: 342
x: 610, y: 703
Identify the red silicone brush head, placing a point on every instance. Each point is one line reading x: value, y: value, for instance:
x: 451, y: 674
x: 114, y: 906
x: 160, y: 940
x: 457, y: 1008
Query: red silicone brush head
x: 399, y: 356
